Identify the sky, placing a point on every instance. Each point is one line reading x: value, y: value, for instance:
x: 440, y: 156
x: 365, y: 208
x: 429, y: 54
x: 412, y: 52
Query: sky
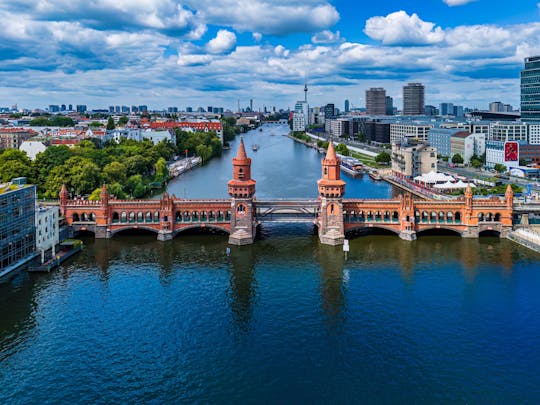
x: 217, y: 52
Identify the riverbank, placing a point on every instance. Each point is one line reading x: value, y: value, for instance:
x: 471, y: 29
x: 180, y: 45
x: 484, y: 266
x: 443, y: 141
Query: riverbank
x: 527, y: 238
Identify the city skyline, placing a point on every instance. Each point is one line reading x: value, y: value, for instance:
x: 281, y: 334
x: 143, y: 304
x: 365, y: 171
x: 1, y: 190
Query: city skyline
x: 170, y: 53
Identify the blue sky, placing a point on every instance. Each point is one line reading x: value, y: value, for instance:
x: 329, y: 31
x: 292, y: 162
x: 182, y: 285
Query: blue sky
x: 215, y: 52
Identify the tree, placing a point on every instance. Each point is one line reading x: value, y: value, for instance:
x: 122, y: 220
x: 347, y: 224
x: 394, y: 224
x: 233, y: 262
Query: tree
x: 114, y: 172
x: 95, y: 124
x: 110, y: 124
x: 500, y: 168
x: 457, y: 159
x: 361, y: 137
x: 116, y: 190
x: 85, y: 177
x: 476, y: 163
x: 15, y: 163
x: 522, y: 162
x: 383, y: 158
x: 123, y: 120
x: 133, y: 182
x: 204, y: 152
x: 342, y: 149
x: 161, y: 169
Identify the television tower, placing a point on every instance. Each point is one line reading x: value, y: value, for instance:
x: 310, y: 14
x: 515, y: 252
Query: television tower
x: 305, y: 90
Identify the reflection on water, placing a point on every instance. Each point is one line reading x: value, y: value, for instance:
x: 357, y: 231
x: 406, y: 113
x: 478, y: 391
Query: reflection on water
x: 441, y: 319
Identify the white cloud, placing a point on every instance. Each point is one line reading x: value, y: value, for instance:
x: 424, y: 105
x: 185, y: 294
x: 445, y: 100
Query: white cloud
x: 399, y: 28
x: 223, y: 42
x: 326, y: 37
x: 452, y: 3
x: 194, y: 60
x: 257, y: 36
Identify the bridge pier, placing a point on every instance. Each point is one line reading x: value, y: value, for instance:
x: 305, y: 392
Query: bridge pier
x: 408, y: 235
x: 470, y: 232
x: 165, y: 236
x: 102, y: 232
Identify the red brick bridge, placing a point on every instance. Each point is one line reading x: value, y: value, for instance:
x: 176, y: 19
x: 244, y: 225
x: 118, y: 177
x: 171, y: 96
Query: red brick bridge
x: 334, y: 215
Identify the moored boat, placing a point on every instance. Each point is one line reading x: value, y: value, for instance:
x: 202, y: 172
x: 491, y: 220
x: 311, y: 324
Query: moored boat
x: 255, y: 147
x: 352, y: 166
x: 375, y: 175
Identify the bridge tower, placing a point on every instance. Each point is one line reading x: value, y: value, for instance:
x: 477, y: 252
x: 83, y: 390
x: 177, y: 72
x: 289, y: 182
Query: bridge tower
x: 102, y: 215
x: 331, y: 191
x: 242, y: 191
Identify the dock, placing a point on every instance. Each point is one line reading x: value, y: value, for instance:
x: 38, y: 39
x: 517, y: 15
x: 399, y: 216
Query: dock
x: 68, y: 248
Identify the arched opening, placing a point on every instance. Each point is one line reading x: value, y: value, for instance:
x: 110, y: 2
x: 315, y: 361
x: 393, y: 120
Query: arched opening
x: 84, y: 217
x: 136, y: 232
x: 433, y: 217
x: 489, y: 233
x: 178, y: 216
x: 75, y: 217
x: 156, y: 216
x: 203, y: 216
x: 198, y: 230
x: 220, y: 216
x: 115, y: 217
x: 240, y: 173
x: 449, y: 216
x: 425, y: 217
x: 211, y: 216
x: 395, y: 216
x: 131, y: 217
x: 489, y: 217
x: 195, y: 216
x: 457, y: 217
x: 481, y: 217
x: 497, y: 217
x: 417, y: 217
x: 187, y: 216
x: 438, y: 232
x: 148, y: 217
x: 140, y: 217
x: 92, y: 217
x: 228, y: 216
x: 368, y: 231
x: 441, y: 216
x: 123, y: 217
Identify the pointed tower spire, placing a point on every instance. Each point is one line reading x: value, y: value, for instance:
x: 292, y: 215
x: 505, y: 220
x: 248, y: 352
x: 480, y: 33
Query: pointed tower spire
x: 509, y: 196
x: 241, y: 154
x: 331, y: 152
x: 64, y: 192
x: 104, y: 194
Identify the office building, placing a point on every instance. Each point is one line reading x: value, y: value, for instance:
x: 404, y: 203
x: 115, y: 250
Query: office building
x: 413, y: 99
x: 411, y: 159
x: 530, y: 90
x: 347, y: 106
x: 376, y: 101
x: 508, y: 131
x: 299, y: 121
x: 17, y: 224
x: 431, y: 110
x: 81, y: 108
x: 376, y: 131
x: 496, y: 106
x: 467, y: 145
x: 446, y: 109
x: 389, y: 106
x: 143, y: 108
x: 458, y: 111
x: 54, y: 108
x: 47, y: 233
x: 409, y: 130
x: 329, y: 111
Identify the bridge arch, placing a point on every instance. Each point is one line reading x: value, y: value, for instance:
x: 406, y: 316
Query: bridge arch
x: 201, y: 226
x: 356, y: 228
x: 116, y: 231
x: 439, y: 229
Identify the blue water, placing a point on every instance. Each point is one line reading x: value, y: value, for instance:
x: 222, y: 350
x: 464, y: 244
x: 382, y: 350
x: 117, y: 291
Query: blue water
x: 286, y: 320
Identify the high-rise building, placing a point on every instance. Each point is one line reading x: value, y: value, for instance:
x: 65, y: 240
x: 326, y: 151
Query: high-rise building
x: 81, y: 108
x: 389, y: 105
x: 329, y: 111
x: 530, y: 90
x: 189, y: 109
x: 458, y: 111
x: 376, y: 101
x: 413, y: 99
x: 347, y: 106
x: 302, y: 108
x: 446, y: 109
x: 431, y: 110
x: 70, y: 107
x: 63, y: 107
x: 495, y: 106
x: 17, y: 224
x: 54, y: 108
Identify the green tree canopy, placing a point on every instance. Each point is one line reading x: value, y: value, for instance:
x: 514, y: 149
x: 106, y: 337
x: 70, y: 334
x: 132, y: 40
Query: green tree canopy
x: 457, y: 159
x: 114, y: 172
x: 123, y: 120
x: 383, y: 157
x: 110, y: 124
x: 500, y: 168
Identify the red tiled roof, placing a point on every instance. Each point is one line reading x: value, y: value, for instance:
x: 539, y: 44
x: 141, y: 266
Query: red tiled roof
x: 210, y: 126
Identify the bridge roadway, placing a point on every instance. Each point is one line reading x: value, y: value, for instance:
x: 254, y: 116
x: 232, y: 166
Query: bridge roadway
x: 287, y: 210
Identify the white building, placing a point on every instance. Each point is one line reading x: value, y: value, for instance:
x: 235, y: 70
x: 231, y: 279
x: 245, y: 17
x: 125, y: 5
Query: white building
x: 336, y: 128
x: 32, y: 148
x: 467, y: 145
x: 47, y: 235
x: 534, y: 134
x: 416, y: 131
x: 507, y: 131
x: 299, y: 122
x: 303, y: 107
x: 158, y: 136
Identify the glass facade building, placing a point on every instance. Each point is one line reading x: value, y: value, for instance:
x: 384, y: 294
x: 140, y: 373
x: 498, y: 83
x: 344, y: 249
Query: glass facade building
x: 530, y: 90
x: 17, y: 225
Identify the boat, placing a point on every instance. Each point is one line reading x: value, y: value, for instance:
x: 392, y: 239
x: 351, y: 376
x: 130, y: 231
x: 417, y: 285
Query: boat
x: 255, y: 147
x: 260, y: 129
x: 352, y: 166
x: 375, y: 175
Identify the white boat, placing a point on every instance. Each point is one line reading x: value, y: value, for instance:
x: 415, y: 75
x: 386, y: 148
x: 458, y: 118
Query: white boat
x: 352, y: 166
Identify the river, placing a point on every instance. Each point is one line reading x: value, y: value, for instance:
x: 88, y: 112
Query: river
x: 287, y: 320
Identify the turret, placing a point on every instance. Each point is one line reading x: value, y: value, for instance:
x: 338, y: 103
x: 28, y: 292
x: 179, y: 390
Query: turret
x: 331, y: 185
x: 64, y: 197
x: 104, y: 195
x: 242, y: 185
x: 509, y: 197
x: 468, y: 196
